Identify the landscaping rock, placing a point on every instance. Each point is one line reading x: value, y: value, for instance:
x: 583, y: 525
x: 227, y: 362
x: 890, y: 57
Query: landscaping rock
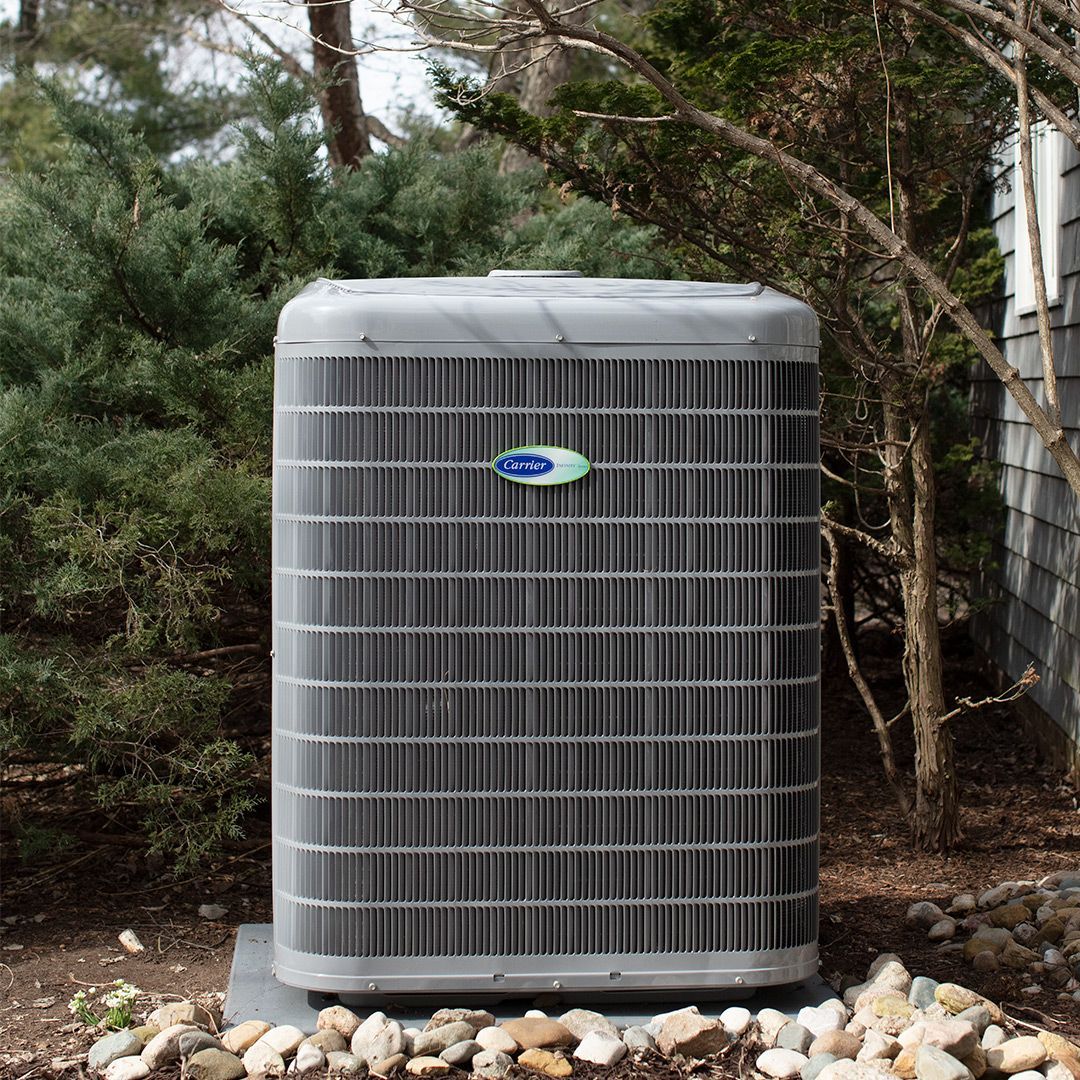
x: 997, y: 895
x: 1057, y: 1046
x: 545, y: 1061
x: 781, y: 1063
x: 1009, y: 915
x: 877, y: 1047
x: 378, y: 1038
x: 824, y: 1018
x: 478, y: 1018
x: 978, y: 1016
x: 495, y: 1038
x: 845, y: 1069
x: 386, y: 1067
x: 985, y: 961
x: 601, y: 1048
x: 434, y: 1042
x: 214, y: 1064
x: 581, y: 1021
x: 328, y: 1041
x: 933, y: 1063
x: 921, y: 993
x: 145, y: 1032
x: 461, y: 1053
x: 956, y: 1037
x: 840, y: 1044
x: 164, y: 1047
x: 105, y: 1051
x: 770, y: 1021
x: 1017, y: 1055
x: 638, y: 1038
x: 923, y: 915
x: 127, y: 1068
x: 1066, y: 1069
x: 904, y: 1063
x: 736, y: 1020
x: 814, y: 1066
x: 427, y: 1066
x: 182, y: 1012
x: 891, y: 1004
x: 1025, y: 933
x: 691, y: 1035
x: 957, y: 998
x: 308, y: 1056
x: 491, y: 1064
x: 794, y: 1036
x: 963, y: 904
x: 338, y: 1018
x: 536, y: 1033
x: 993, y: 1036
x: 976, y: 1062
x: 236, y: 1040
x: 943, y: 930
x: 339, y: 1061
x: 262, y: 1059
x: 1016, y: 956
x: 285, y: 1039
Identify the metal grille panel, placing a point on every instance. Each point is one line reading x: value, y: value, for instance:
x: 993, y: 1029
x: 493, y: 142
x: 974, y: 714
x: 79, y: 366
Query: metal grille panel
x: 524, y: 730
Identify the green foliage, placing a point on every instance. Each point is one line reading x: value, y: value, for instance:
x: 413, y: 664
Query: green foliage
x: 137, y: 308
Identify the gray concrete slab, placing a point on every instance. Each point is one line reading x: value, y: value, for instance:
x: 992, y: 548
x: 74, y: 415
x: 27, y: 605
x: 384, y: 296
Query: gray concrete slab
x: 254, y: 994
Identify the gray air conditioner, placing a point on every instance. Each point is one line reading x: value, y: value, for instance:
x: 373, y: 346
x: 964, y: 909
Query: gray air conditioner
x: 545, y: 637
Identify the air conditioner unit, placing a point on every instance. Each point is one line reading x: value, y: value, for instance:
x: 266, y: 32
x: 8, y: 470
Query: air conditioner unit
x: 546, y: 638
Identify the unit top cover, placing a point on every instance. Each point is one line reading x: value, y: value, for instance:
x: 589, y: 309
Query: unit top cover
x: 541, y: 307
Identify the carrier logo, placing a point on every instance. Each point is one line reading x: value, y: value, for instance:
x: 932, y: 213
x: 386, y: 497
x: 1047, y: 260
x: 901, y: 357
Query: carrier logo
x: 541, y: 465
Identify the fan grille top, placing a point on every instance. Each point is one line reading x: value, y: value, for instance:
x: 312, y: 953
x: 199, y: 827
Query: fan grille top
x: 528, y: 736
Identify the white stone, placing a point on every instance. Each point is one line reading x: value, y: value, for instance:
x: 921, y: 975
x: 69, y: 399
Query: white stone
x: 993, y: 1036
x: 338, y: 1018
x: 579, y: 1022
x: 378, y: 1038
x: 134, y: 1068
x: 780, y: 1064
x: 878, y: 1047
x: 494, y: 1038
x: 601, y: 1048
x: 537, y: 1014
x: 846, y: 1069
x: 820, y: 1019
x: 660, y: 1018
x: 1054, y: 1070
x: 640, y: 1038
x: 770, y: 1021
x: 736, y: 1020
x: 491, y: 1064
x: 284, y: 1039
x: 263, y: 1060
x: 164, y: 1047
x: 308, y: 1056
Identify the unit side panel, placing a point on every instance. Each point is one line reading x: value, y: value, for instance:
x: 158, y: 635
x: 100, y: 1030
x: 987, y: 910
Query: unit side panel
x: 533, y: 733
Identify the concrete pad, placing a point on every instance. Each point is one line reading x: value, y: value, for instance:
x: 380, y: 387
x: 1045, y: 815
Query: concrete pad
x: 254, y: 994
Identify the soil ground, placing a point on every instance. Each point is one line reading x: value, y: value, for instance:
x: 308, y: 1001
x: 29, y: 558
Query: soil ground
x: 61, y: 918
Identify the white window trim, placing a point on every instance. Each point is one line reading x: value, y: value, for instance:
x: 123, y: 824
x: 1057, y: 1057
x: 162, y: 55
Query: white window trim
x: 1048, y: 160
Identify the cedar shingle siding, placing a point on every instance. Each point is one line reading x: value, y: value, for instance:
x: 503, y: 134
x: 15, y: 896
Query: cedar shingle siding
x: 1035, y: 582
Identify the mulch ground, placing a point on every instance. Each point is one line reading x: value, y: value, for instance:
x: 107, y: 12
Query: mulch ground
x: 1020, y: 821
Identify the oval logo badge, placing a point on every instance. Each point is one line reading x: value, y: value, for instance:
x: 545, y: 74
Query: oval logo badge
x: 541, y: 465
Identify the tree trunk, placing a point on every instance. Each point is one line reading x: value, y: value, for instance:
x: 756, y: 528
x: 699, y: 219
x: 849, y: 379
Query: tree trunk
x: 25, y: 36
x: 936, y: 819
x: 545, y: 67
x: 339, y: 99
